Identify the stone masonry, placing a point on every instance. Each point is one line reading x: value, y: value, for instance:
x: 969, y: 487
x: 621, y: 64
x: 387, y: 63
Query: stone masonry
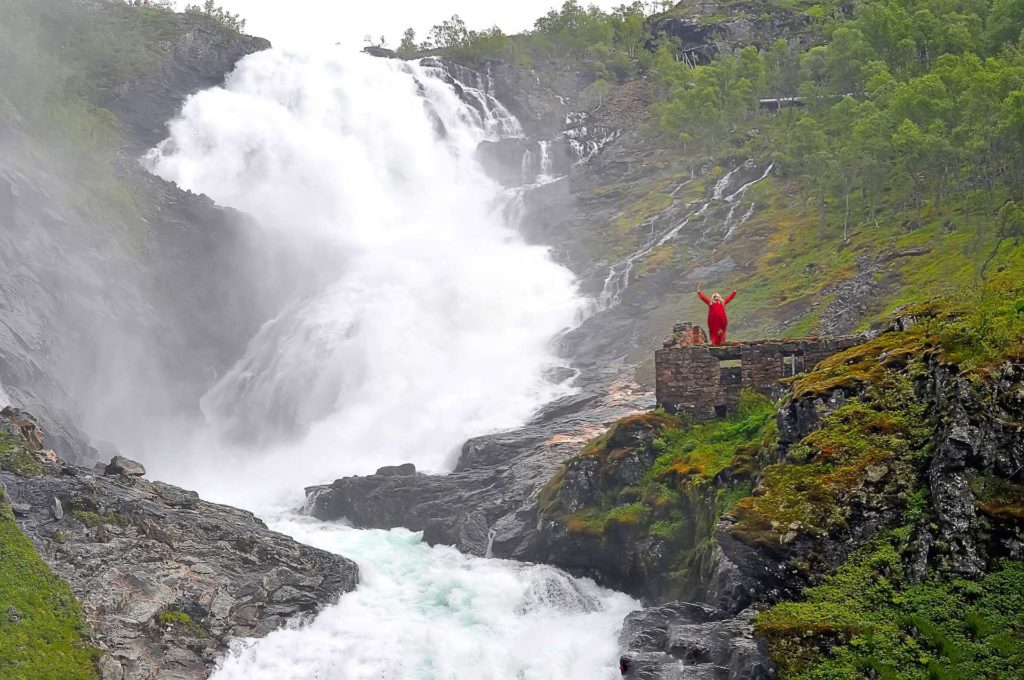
x: 704, y: 382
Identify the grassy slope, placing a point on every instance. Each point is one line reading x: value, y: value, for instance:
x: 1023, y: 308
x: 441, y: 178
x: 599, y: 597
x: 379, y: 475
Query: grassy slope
x: 42, y: 633
x: 785, y: 267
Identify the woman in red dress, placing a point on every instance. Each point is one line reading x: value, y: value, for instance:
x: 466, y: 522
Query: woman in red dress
x: 717, y: 321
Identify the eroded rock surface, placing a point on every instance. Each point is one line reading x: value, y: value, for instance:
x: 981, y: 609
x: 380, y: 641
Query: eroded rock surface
x: 491, y: 499
x: 688, y: 641
x: 164, y: 577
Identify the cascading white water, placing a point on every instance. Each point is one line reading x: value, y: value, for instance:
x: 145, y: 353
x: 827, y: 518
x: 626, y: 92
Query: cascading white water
x: 5, y: 401
x: 620, y: 274
x: 426, y: 319
x: 545, y: 161
x: 422, y: 319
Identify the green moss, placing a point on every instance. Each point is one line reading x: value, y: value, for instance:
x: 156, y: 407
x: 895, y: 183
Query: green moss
x: 181, y: 621
x: 704, y: 450
x: 42, y: 633
x: 868, y: 620
x: 864, y: 365
x: 97, y: 519
x: 680, y: 499
x: 881, y: 438
x: 999, y: 498
x: 983, y: 325
x: 14, y: 458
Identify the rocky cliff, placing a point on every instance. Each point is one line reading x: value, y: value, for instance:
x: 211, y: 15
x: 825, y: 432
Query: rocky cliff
x: 99, y: 254
x: 892, y: 443
x: 165, y: 579
x: 110, y: 275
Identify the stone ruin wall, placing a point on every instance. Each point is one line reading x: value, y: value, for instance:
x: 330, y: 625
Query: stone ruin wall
x: 704, y: 382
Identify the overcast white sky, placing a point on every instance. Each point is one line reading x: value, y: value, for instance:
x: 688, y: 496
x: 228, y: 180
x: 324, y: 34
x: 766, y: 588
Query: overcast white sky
x: 297, y: 22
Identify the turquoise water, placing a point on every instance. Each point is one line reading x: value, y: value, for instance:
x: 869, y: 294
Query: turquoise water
x: 423, y: 613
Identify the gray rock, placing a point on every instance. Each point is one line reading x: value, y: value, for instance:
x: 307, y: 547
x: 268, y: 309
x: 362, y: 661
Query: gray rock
x: 382, y: 52
x: 404, y: 470
x: 109, y: 669
x: 144, y: 548
x: 705, y: 29
x: 119, y: 465
x: 685, y: 640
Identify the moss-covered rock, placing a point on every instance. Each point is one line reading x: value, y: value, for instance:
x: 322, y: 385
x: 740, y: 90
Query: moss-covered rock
x: 638, y: 506
x: 870, y: 620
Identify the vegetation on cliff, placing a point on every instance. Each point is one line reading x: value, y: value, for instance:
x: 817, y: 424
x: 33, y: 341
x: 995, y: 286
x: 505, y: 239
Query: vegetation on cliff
x: 42, y: 633
x: 661, y: 481
x: 870, y: 620
x: 897, y: 170
x: 839, y: 527
x: 62, y: 59
x: 877, y: 616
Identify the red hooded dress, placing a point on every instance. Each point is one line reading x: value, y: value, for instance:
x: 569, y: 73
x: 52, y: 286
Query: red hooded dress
x: 717, y: 321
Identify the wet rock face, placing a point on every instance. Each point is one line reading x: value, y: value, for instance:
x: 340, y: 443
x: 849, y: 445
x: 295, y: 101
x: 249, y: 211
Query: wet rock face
x: 165, y: 579
x: 199, y: 57
x: 685, y: 640
x: 75, y: 281
x: 975, y: 475
x: 975, y: 456
x: 707, y: 28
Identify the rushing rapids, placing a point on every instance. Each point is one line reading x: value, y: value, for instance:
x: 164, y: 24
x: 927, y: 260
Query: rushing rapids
x: 422, y: 319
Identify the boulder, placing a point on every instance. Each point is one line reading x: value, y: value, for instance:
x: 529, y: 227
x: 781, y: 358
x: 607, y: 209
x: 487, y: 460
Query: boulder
x: 404, y: 470
x: 119, y: 465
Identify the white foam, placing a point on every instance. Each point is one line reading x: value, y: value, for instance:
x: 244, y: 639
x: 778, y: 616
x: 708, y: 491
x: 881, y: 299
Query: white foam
x: 431, y: 613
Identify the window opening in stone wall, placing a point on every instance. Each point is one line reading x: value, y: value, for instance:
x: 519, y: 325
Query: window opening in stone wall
x: 730, y: 372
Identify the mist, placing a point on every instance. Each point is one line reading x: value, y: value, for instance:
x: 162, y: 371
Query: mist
x: 419, y: 319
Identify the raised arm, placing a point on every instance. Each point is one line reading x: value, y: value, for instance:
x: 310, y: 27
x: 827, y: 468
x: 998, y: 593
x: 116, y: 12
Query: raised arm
x: 703, y: 297
x: 729, y: 299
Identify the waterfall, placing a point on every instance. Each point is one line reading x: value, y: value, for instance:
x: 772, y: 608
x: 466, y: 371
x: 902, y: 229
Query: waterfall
x: 423, y: 318
x: 526, y: 169
x: 476, y: 90
x: 546, y: 163
x: 418, y: 318
x: 620, y: 274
